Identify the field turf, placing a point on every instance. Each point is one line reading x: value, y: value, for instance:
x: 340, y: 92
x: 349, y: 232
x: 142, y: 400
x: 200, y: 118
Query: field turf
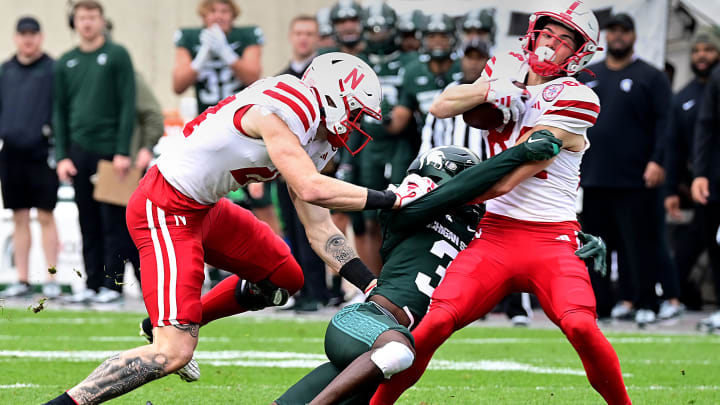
x: 253, y: 359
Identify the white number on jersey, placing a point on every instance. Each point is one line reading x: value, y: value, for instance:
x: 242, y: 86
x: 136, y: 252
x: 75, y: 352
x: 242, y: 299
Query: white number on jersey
x: 440, y: 249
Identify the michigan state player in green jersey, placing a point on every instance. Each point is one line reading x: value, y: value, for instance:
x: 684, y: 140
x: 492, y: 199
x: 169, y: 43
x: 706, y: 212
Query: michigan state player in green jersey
x: 219, y: 59
x: 424, y: 78
x: 366, y: 342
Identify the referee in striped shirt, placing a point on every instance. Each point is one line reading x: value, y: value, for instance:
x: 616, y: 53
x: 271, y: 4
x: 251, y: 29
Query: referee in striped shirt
x: 454, y: 131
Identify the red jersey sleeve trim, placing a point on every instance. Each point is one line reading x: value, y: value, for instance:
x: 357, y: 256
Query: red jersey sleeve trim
x: 573, y: 114
x: 292, y: 104
x: 299, y: 96
x: 578, y: 104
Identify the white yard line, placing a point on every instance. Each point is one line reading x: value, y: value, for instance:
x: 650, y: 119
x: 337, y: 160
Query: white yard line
x: 288, y: 360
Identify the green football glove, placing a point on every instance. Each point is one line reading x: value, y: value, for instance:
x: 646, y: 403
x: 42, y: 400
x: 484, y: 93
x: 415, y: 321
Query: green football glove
x: 541, y: 145
x: 593, y: 248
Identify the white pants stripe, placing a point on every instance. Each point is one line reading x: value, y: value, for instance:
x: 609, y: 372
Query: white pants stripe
x: 172, y: 264
x: 159, y: 263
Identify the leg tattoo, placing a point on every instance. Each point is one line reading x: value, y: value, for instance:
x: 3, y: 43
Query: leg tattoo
x: 118, y: 375
x: 193, y: 329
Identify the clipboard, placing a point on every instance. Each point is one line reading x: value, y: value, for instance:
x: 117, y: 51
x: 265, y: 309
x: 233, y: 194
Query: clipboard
x: 110, y: 189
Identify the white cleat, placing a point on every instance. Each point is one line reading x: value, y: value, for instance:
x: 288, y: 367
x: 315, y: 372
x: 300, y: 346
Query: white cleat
x: 189, y: 372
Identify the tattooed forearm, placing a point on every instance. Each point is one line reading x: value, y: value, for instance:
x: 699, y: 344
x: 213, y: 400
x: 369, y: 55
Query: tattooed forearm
x: 192, y: 329
x: 339, y: 249
x: 118, y: 375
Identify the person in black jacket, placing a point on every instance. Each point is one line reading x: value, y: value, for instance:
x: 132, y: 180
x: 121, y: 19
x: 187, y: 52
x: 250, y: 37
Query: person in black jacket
x: 27, y: 172
x: 621, y: 197
x: 705, y: 187
x: 690, y: 240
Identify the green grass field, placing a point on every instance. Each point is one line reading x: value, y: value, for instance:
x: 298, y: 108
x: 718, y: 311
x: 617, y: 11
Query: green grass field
x: 252, y: 360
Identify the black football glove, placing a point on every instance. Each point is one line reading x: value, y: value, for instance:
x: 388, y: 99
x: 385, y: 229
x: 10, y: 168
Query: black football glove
x: 541, y: 145
x: 593, y: 247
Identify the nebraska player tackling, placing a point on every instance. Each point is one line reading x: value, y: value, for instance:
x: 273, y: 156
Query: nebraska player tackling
x: 179, y: 219
x: 526, y: 240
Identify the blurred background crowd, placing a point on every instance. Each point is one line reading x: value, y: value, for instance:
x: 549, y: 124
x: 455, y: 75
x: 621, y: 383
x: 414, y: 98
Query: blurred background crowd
x: 651, y: 179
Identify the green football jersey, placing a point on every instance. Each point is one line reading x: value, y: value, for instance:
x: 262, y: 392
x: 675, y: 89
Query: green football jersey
x: 420, y: 86
x: 420, y: 240
x: 216, y: 80
x: 415, y: 258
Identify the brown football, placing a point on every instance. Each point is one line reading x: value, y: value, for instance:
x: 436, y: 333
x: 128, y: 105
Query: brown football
x: 485, y: 115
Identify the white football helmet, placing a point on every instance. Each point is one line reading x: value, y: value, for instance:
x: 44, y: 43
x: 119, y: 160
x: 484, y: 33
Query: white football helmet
x: 347, y: 88
x: 575, y: 16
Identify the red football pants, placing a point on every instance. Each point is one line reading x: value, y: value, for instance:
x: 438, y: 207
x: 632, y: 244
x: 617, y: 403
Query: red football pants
x: 513, y: 256
x: 176, y: 236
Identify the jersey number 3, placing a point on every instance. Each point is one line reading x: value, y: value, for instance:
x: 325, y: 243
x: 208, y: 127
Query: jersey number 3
x: 440, y: 249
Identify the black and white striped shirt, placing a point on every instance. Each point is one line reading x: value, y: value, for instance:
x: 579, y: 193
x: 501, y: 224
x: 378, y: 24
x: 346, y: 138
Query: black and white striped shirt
x: 451, y: 131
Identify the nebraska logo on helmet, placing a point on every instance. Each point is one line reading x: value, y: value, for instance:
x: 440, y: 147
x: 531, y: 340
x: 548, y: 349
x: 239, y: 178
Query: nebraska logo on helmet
x: 346, y: 88
x: 355, y: 79
x: 576, y: 17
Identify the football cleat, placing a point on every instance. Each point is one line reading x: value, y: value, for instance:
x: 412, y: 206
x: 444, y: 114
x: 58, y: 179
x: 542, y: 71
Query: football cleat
x: 263, y: 294
x: 189, y: 372
x: 710, y: 324
x: 643, y: 317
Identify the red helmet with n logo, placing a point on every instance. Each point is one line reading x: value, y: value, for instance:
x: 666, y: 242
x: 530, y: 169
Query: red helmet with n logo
x: 348, y: 89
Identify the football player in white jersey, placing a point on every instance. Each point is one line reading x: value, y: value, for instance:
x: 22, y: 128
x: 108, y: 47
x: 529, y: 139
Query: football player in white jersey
x: 525, y: 241
x: 179, y: 219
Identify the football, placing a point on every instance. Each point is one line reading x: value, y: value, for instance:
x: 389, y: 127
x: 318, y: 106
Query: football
x: 483, y: 116
x: 486, y: 115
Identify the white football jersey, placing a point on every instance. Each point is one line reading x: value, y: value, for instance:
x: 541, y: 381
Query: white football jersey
x: 562, y: 103
x: 215, y: 158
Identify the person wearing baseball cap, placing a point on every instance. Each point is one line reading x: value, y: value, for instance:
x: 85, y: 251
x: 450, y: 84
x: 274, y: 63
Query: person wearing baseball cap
x: 475, y: 54
x: 621, y: 20
x: 635, y: 104
x: 689, y: 241
x: 26, y: 178
x: 28, y: 24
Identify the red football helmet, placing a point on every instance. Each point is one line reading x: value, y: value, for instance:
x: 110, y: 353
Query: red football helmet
x: 576, y: 17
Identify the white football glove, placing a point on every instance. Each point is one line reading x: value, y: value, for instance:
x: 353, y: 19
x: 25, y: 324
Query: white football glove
x: 412, y: 187
x: 507, y: 97
x: 219, y: 45
x: 203, y: 54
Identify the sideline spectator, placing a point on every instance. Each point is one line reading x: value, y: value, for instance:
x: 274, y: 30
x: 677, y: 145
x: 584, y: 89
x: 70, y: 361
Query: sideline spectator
x: 621, y: 197
x: 690, y: 240
x: 26, y: 167
x: 93, y: 115
x: 705, y: 187
x: 218, y: 59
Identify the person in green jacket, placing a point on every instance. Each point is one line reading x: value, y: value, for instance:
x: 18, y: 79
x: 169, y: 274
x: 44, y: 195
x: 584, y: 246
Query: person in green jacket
x: 93, y: 119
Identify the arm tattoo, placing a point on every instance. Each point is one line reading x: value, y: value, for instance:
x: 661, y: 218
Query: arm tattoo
x: 339, y: 249
x: 118, y: 375
x: 192, y: 329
